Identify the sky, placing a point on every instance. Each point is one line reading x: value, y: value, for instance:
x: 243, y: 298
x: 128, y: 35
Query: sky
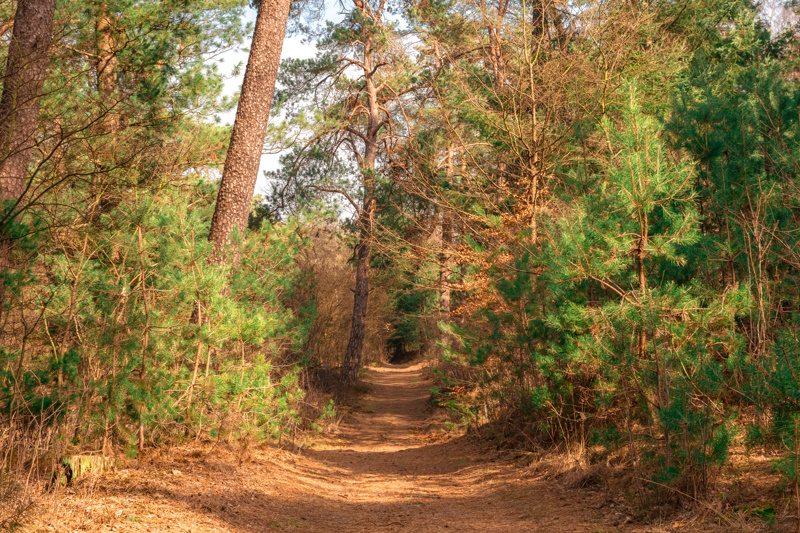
x: 293, y: 47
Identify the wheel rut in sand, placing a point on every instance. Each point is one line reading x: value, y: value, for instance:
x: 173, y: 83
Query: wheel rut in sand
x: 385, y: 472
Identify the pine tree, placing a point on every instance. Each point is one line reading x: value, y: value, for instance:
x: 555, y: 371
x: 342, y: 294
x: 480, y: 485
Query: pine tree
x: 23, y: 81
x: 353, y: 125
x: 249, y: 129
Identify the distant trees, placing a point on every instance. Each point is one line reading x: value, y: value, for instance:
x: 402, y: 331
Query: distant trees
x: 355, y: 89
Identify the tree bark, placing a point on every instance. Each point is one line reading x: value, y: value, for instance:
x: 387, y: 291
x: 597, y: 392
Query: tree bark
x: 355, y: 345
x: 445, y: 267
x: 446, y: 257
x: 495, y: 21
x: 26, y: 70
x: 250, y: 126
x: 107, y: 67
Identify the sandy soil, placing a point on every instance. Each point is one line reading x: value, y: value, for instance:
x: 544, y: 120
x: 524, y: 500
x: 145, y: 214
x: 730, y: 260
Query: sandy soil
x: 389, y: 470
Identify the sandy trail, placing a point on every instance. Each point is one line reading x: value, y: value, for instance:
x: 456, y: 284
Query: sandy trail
x: 386, y: 472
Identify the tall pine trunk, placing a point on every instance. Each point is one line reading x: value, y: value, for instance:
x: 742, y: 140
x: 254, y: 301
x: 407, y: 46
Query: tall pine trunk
x: 445, y: 267
x: 446, y: 255
x: 107, y: 68
x: 355, y: 345
x: 252, y: 115
x: 26, y: 69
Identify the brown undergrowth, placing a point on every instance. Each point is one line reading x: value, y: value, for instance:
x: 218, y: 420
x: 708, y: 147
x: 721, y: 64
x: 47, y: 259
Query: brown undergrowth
x: 746, y: 494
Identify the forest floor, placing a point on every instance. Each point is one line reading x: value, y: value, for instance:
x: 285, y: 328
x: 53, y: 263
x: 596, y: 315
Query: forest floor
x: 391, y: 467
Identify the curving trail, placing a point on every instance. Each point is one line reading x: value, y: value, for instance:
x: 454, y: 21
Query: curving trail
x: 386, y: 472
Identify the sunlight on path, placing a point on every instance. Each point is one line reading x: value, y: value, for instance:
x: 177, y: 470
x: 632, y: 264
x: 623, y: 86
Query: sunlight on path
x: 386, y: 471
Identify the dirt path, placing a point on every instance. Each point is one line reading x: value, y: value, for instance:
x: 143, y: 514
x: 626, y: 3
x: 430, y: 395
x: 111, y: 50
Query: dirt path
x: 387, y: 472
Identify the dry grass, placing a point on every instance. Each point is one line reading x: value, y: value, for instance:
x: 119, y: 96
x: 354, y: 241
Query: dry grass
x: 328, y: 261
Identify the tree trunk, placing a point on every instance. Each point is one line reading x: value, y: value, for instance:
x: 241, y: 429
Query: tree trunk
x: 494, y: 26
x: 445, y: 268
x: 355, y: 346
x: 107, y: 67
x: 26, y: 69
x: 446, y: 257
x: 252, y: 115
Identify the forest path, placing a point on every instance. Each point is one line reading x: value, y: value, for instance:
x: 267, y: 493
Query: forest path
x: 392, y: 473
x: 387, y: 471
